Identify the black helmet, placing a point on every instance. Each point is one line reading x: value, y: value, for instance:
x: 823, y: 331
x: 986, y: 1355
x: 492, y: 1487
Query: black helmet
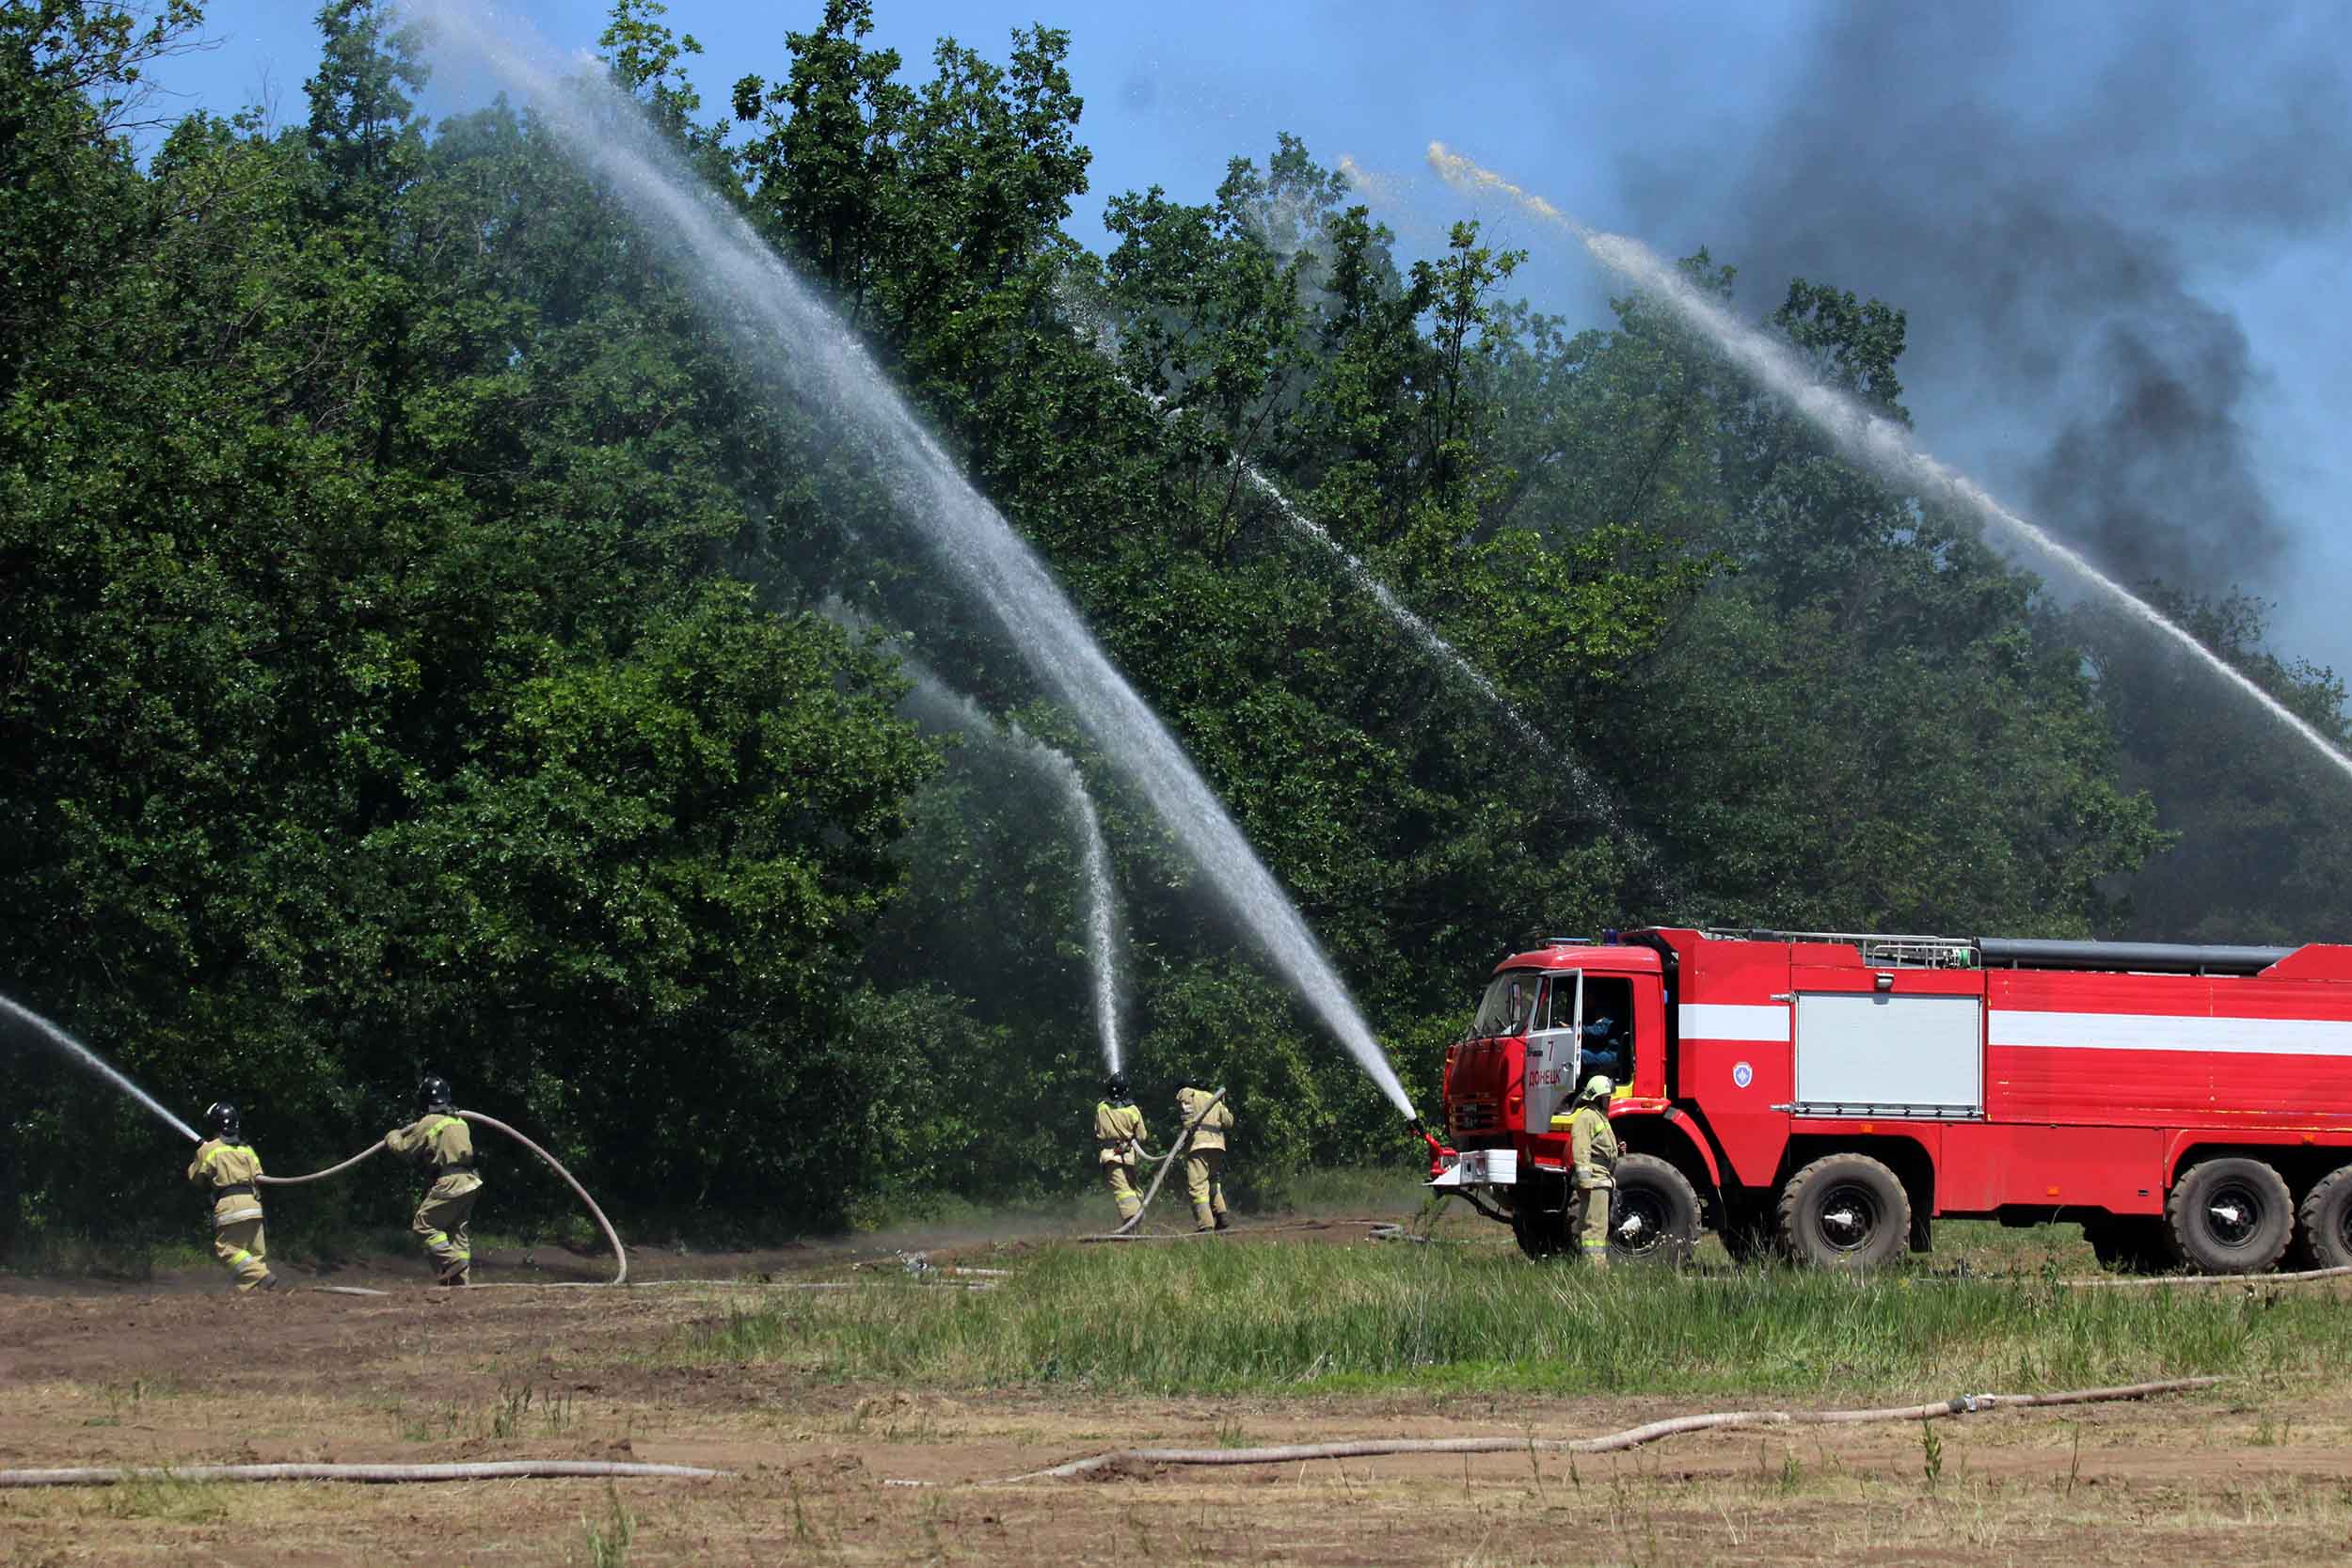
x: 1115, y: 1086
x: 433, y: 1093
x: 222, y: 1120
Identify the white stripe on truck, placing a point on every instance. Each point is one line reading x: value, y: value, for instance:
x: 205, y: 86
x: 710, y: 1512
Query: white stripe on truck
x: 2243, y: 1037
x: 1725, y: 1021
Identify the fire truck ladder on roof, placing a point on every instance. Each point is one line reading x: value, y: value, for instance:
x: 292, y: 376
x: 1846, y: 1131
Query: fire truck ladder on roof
x: 1878, y: 949
x: 2144, y: 958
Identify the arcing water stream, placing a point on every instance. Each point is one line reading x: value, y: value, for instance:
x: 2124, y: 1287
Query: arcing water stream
x: 1591, y: 794
x: 777, y: 320
x: 1871, y: 439
x: 932, y: 697
x: 96, y: 1063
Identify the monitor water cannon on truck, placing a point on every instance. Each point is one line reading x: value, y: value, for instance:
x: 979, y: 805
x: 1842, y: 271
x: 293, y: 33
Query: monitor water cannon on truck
x: 1830, y: 1094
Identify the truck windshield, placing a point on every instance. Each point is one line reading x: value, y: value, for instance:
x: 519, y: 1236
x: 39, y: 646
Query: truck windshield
x: 1509, y: 1004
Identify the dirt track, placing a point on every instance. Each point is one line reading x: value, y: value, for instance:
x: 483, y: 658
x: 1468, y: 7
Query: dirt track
x: 179, y: 1372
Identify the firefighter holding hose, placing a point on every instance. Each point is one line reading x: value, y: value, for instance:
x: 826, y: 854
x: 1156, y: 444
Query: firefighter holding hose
x: 226, y: 1168
x: 1593, y: 1152
x: 440, y: 1140
x: 1204, y: 1156
x: 1118, y: 1135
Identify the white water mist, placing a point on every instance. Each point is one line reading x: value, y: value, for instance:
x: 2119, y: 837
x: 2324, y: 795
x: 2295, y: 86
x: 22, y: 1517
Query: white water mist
x: 942, y: 706
x: 96, y: 1063
x: 775, y: 318
x: 1871, y: 439
x: 1590, y: 793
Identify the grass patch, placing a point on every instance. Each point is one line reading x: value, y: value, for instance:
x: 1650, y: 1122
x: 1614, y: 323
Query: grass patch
x: 166, y: 1496
x: 1391, y: 1190
x: 1234, y: 1318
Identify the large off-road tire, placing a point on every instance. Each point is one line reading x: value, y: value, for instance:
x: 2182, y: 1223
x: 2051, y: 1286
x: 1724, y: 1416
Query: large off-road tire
x: 1653, y: 1214
x: 2131, y: 1244
x: 2323, y: 1227
x: 1844, y: 1211
x: 1542, y: 1233
x: 2230, y: 1215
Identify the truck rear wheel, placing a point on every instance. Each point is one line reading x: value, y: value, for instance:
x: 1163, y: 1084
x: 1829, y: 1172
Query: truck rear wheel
x: 1844, y: 1211
x: 2232, y: 1215
x: 1541, y: 1232
x: 2322, y: 1230
x: 1654, y: 1218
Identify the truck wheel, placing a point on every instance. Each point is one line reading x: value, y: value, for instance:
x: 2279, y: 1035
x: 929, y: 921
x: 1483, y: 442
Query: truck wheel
x: 1844, y: 1211
x: 2230, y: 1215
x: 2130, y: 1243
x: 2322, y: 1230
x: 1541, y: 1232
x: 1654, y: 1218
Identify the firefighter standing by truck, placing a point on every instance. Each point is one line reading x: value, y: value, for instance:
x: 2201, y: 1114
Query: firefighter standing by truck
x: 1118, y: 1135
x: 226, y: 1166
x: 1592, y: 1153
x: 1204, y: 1156
x: 440, y: 1140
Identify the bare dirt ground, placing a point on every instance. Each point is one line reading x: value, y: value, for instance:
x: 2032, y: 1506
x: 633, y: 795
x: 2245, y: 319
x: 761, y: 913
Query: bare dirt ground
x: 176, y: 1371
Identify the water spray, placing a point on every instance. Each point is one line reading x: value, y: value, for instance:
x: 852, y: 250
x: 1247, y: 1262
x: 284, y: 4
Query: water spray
x: 952, y: 707
x: 777, y: 322
x: 97, y: 1064
x: 1590, y: 793
x: 1873, y: 440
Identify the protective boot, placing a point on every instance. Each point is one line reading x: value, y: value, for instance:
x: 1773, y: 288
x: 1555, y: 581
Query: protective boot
x: 1224, y: 1221
x: 1204, y: 1218
x: 270, y: 1282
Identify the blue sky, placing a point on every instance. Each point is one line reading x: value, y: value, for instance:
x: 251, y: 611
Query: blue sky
x: 2120, y: 233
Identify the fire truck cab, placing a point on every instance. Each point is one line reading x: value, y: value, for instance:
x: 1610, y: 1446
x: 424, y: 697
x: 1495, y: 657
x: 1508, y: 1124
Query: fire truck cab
x: 1829, y: 1095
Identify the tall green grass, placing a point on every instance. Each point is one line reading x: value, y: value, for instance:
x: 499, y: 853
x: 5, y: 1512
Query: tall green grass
x: 1226, y: 1319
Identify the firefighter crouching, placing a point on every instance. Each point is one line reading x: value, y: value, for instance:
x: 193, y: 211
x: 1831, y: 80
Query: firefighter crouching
x: 1118, y: 1136
x: 439, y: 1140
x: 1204, y: 1157
x: 1592, y: 1151
x: 227, y: 1167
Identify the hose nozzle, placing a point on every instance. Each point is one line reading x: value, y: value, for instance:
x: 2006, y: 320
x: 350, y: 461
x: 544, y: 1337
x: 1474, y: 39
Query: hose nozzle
x: 1440, y: 1155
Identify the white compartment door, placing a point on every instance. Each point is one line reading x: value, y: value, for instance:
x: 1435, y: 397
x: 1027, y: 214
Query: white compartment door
x: 1875, y: 1053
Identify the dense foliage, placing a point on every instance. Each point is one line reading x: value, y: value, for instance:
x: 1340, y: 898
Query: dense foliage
x: 423, y: 644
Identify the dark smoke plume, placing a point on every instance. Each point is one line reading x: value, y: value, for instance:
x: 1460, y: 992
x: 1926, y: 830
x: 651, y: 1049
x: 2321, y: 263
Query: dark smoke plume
x: 2039, y: 187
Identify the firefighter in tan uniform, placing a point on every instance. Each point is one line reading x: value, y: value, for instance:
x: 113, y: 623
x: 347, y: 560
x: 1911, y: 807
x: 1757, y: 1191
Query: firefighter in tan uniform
x: 227, y: 1167
x: 1118, y: 1136
x: 1592, y: 1151
x: 440, y: 1140
x: 1204, y: 1156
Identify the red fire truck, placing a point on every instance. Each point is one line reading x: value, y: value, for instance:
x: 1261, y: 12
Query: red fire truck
x: 1832, y: 1094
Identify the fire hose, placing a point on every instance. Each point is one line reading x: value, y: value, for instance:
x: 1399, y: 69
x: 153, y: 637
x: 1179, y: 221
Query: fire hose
x: 1632, y: 1437
x: 620, y: 1256
x: 496, y: 1469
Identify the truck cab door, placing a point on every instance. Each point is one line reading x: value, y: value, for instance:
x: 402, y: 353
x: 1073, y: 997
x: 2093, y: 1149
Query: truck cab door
x: 1555, y: 1047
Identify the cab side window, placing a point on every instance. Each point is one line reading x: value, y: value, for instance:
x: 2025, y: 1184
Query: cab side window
x: 1608, y: 1040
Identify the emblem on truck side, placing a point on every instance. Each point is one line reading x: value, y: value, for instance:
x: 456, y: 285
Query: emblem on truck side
x: 1742, y: 1074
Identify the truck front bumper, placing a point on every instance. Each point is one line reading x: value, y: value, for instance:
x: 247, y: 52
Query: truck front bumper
x: 1481, y: 1167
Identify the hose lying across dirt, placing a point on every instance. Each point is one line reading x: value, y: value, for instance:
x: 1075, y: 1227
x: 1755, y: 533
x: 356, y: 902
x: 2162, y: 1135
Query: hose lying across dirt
x: 620, y: 1256
x: 2249, y: 1280
x: 1632, y: 1437
x: 502, y: 1469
